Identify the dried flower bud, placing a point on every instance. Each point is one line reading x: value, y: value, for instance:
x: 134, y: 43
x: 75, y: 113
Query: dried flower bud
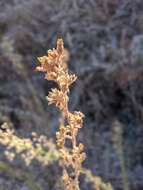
x: 81, y: 147
x: 57, y: 97
x: 75, y: 119
x: 60, y: 46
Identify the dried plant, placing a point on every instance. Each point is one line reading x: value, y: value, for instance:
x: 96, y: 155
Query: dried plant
x: 55, y: 66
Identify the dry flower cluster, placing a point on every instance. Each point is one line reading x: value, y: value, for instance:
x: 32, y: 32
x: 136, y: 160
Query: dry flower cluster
x: 55, y: 66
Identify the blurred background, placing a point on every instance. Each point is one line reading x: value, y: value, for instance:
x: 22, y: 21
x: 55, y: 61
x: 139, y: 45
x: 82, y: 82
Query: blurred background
x: 105, y: 41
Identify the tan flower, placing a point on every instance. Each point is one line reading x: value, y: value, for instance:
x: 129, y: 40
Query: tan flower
x: 58, y: 98
x: 76, y: 119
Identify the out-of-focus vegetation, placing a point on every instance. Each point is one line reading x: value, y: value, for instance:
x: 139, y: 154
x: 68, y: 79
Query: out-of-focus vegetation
x: 105, y: 39
x: 33, y: 150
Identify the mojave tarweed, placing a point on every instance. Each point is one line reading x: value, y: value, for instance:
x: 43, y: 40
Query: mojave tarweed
x: 54, y: 64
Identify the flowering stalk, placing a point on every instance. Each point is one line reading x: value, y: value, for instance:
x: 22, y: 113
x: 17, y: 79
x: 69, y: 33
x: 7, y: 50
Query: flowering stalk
x: 55, y: 66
